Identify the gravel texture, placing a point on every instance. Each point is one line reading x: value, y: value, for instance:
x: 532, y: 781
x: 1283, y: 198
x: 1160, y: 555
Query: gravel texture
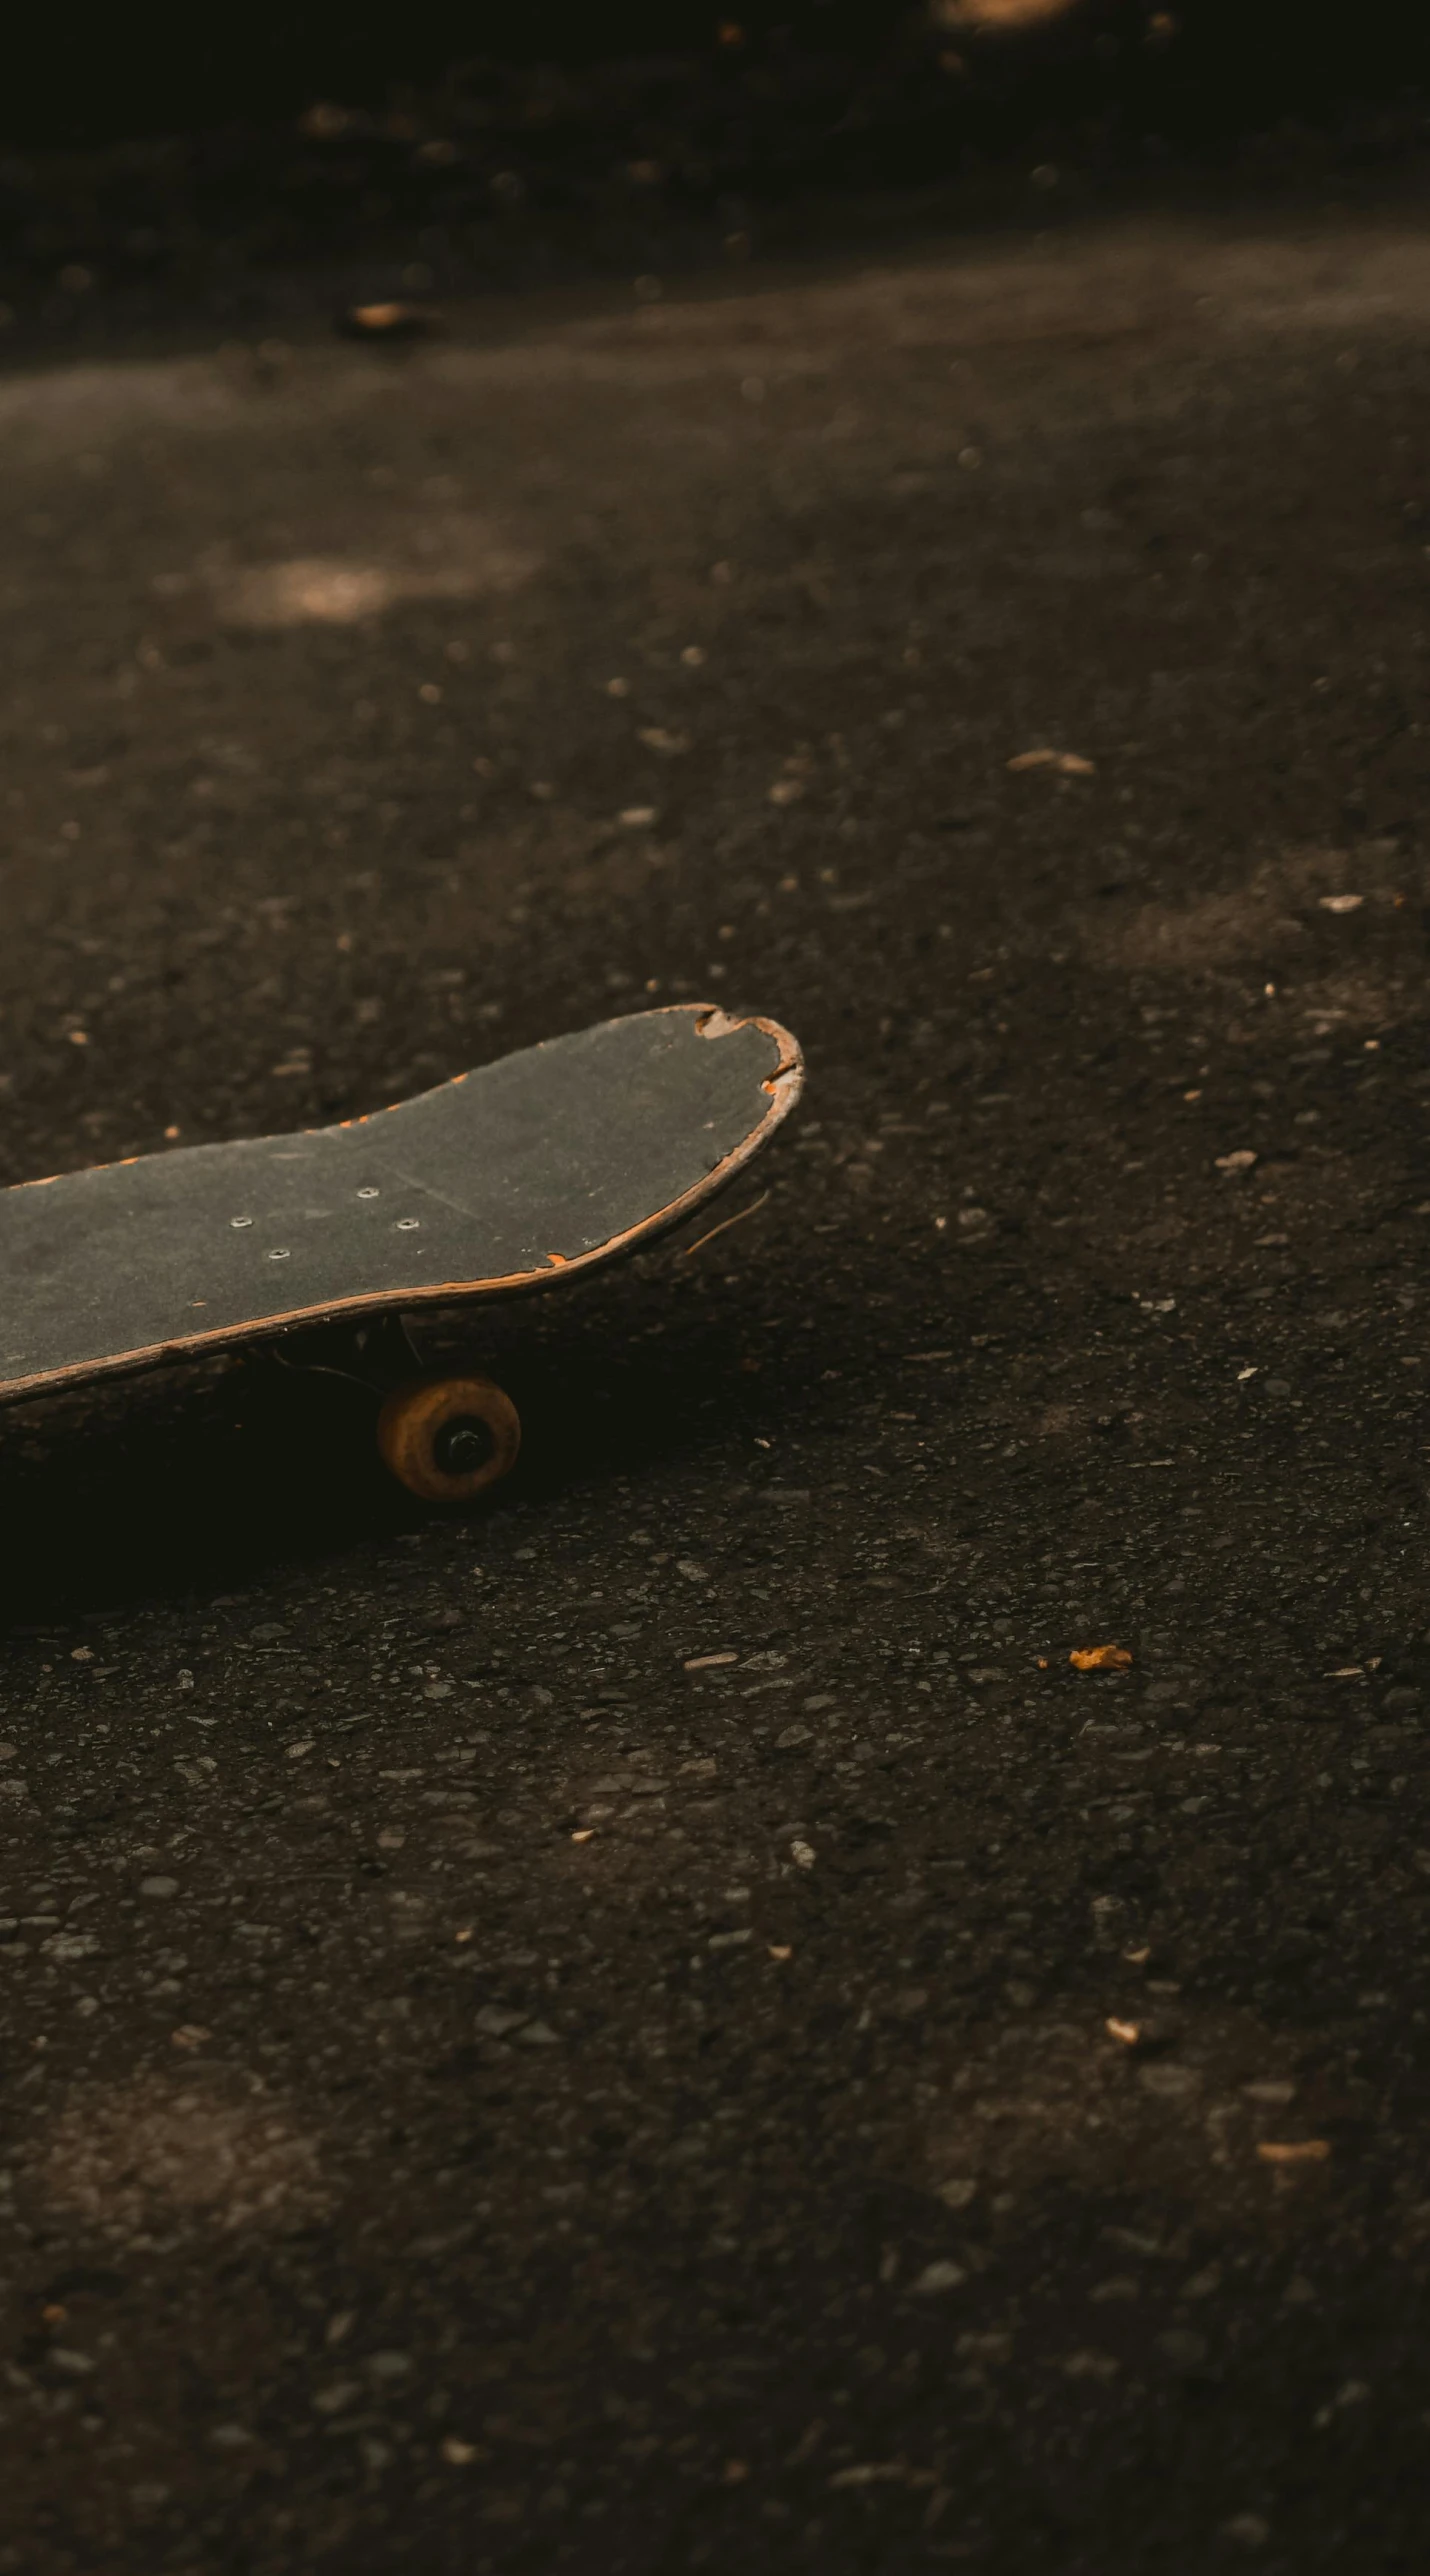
x: 666, y: 2023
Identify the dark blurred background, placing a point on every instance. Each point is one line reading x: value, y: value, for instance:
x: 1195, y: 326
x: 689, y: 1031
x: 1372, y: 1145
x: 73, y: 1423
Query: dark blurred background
x: 1204, y: 71
x: 501, y: 145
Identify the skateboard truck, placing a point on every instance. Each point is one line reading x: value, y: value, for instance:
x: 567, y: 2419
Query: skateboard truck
x: 446, y: 1438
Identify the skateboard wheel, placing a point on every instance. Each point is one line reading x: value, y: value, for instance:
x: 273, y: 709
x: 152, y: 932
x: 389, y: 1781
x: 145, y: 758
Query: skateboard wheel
x: 446, y: 1439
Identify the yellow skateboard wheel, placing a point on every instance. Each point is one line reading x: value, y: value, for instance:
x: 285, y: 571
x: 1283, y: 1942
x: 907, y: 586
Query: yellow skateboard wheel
x: 448, y: 1438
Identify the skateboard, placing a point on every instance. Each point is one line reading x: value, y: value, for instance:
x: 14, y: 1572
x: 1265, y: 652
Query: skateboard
x: 520, y: 1176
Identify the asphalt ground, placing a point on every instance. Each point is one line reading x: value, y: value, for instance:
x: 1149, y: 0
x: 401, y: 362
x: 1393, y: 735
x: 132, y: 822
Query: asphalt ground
x: 665, y: 2023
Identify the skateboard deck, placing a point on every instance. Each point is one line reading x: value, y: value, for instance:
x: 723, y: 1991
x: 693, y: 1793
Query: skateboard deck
x: 514, y: 1177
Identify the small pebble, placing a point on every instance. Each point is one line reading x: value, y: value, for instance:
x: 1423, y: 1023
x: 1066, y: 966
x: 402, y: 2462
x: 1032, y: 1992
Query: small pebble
x: 937, y: 2277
